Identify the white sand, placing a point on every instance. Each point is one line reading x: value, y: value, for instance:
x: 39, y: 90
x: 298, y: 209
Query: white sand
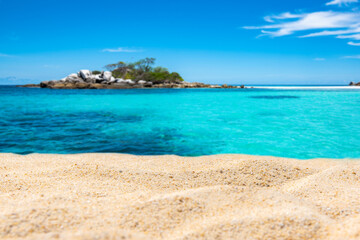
x: 114, y: 196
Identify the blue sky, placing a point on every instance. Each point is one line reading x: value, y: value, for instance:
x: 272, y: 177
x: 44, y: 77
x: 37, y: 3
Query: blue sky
x: 235, y: 42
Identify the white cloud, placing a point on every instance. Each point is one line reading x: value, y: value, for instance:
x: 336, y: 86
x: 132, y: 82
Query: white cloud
x: 353, y: 36
x: 121, y: 49
x: 341, y: 2
x: 319, y: 59
x: 352, y: 57
x: 4, y: 55
x: 340, y: 33
x: 346, y: 22
x: 285, y: 15
x: 354, y: 44
x: 342, y: 25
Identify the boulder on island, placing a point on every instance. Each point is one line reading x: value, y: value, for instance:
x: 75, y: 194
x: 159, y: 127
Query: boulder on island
x: 106, y: 75
x: 120, y: 80
x: 72, y: 78
x: 129, y: 81
x: 85, y: 74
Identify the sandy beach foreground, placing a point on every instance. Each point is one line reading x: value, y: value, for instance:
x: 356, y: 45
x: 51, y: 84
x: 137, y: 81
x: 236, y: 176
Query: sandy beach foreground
x: 115, y: 196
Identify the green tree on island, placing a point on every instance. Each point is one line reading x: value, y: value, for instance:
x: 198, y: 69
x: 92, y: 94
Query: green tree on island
x: 143, y: 70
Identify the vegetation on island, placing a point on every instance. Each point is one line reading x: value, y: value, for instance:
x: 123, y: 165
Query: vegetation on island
x: 143, y: 70
x: 96, y: 72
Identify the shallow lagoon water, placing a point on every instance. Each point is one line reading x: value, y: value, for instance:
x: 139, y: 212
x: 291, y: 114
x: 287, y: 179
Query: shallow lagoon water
x: 317, y: 123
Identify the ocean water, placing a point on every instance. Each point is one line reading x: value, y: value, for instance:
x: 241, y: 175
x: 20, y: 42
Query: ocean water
x: 293, y: 123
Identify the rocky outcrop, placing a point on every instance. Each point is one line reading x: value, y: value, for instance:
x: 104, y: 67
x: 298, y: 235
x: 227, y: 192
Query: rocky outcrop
x: 30, y: 86
x: 85, y: 74
x: 84, y: 85
x: 193, y: 85
x: 354, y: 84
x: 86, y: 80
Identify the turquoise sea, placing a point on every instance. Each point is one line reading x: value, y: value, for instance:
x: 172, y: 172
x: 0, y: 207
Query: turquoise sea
x: 189, y: 122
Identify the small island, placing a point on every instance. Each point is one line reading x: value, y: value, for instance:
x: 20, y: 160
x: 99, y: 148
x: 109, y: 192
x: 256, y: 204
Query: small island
x: 121, y: 75
x: 354, y: 84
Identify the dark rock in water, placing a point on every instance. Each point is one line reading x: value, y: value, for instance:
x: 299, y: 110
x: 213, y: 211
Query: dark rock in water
x: 148, y: 84
x: 230, y: 86
x: 30, y: 86
x: 120, y: 85
x: 96, y: 86
x: 58, y: 85
x: 44, y: 84
x: 82, y: 85
x: 99, y: 80
x: 354, y: 84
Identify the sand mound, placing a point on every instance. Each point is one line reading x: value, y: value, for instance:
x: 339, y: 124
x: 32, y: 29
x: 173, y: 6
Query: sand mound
x: 115, y: 196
